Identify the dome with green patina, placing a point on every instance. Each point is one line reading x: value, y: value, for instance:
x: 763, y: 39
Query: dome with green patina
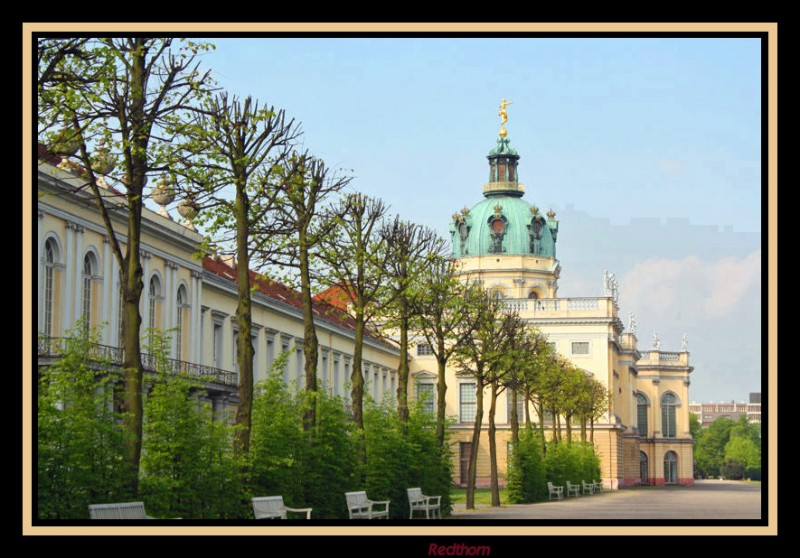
x: 503, y: 223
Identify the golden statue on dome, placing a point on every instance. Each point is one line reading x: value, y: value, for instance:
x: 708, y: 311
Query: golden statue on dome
x: 503, y: 114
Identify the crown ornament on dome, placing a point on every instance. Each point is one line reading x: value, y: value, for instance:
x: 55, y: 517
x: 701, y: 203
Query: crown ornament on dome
x: 551, y: 214
x: 535, y: 210
x: 465, y: 211
x: 497, y: 209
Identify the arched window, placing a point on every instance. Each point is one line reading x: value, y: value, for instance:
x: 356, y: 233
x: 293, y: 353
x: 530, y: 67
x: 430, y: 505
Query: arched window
x: 644, y: 468
x: 155, y: 298
x: 182, y: 302
x: 668, y: 403
x: 641, y: 414
x: 497, y: 293
x: 670, y: 468
x: 50, y: 261
x: 86, y: 289
x: 533, y: 295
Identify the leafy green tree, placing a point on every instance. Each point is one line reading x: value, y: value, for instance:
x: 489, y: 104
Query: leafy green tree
x: 709, y: 450
x: 188, y: 466
x: 695, y: 428
x: 119, y: 95
x: 79, y: 441
x: 440, y: 316
x: 526, y: 469
x: 476, y: 356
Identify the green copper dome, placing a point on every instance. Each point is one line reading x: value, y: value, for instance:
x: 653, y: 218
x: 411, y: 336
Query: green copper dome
x: 503, y: 223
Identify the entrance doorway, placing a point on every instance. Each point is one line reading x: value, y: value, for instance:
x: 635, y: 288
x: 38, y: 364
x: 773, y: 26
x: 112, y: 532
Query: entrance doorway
x: 644, y: 468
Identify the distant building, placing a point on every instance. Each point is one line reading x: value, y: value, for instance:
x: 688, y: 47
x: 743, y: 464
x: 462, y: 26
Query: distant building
x: 711, y: 411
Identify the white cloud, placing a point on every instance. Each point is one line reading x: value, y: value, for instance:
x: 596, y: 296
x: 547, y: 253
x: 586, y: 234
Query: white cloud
x: 665, y: 287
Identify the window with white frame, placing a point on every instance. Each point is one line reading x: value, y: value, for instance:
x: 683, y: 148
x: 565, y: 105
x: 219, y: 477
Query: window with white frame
x: 86, y: 290
x: 641, y: 414
x: 580, y: 347
x: 154, y: 293
x: 426, y: 397
x: 424, y: 349
x: 467, y: 402
x: 668, y: 415
x: 50, y: 261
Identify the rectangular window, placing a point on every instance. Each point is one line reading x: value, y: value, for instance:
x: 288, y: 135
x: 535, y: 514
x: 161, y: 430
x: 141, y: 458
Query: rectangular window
x: 425, y: 398
x: 668, y: 421
x: 580, y: 347
x: 335, y: 376
x: 300, y: 372
x: 346, y: 380
x: 217, y: 356
x: 324, y: 372
x: 270, y: 351
x: 424, y: 349
x: 468, y: 402
x: 285, y: 351
x: 235, y: 352
x: 393, y: 395
x: 641, y: 418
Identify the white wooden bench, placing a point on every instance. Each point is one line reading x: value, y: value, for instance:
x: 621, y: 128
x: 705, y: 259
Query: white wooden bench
x: 598, y: 486
x: 272, y: 507
x: 361, y: 507
x: 588, y: 488
x: 573, y: 489
x: 556, y: 492
x: 124, y: 510
x: 417, y: 501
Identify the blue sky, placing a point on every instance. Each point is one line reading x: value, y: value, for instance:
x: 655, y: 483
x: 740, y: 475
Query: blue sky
x: 648, y: 150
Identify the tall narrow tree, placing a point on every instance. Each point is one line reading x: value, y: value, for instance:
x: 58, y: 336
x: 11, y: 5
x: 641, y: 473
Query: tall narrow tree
x: 305, y: 185
x: 441, y: 318
x: 413, y: 249
x: 355, y: 260
x: 119, y: 95
x: 240, y: 146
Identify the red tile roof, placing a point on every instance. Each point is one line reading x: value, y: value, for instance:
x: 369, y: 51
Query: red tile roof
x: 280, y: 292
x: 335, y: 296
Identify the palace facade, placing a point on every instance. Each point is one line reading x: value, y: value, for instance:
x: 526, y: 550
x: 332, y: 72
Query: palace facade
x: 503, y: 241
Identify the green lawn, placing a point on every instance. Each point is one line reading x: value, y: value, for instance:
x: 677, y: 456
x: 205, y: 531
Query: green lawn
x: 482, y: 496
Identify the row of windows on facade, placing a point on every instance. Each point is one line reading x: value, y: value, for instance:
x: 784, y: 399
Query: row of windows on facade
x: 378, y: 379
x: 577, y: 347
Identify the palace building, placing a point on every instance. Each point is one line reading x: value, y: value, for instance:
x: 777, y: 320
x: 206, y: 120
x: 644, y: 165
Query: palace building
x: 503, y: 241
x: 509, y: 246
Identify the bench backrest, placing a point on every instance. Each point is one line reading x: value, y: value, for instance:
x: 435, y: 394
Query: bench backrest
x: 550, y: 486
x: 414, y: 494
x: 268, y: 504
x: 126, y: 510
x: 356, y: 499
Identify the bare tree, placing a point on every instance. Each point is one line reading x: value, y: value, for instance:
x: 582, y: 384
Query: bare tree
x: 356, y: 258
x: 238, y: 145
x: 305, y: 222
x: 413, y: 249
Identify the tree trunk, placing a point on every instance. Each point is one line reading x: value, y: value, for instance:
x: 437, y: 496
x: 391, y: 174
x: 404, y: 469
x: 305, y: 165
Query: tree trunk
x: 515, y: 419
x: 357, y: 381
x: 402, y: 370
x: 244, y: 349
x: 527, y: 408
x: 310, y: 341
x: 568, y: 422
x: 132, y: 409
x: 495, y: 484
x: 591, y: 431
x: 441, y: 390
x: 476, y: 436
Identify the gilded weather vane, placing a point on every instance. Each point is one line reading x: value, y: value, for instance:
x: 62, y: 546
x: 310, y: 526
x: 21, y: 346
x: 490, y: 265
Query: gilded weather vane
x: 503, y: 114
